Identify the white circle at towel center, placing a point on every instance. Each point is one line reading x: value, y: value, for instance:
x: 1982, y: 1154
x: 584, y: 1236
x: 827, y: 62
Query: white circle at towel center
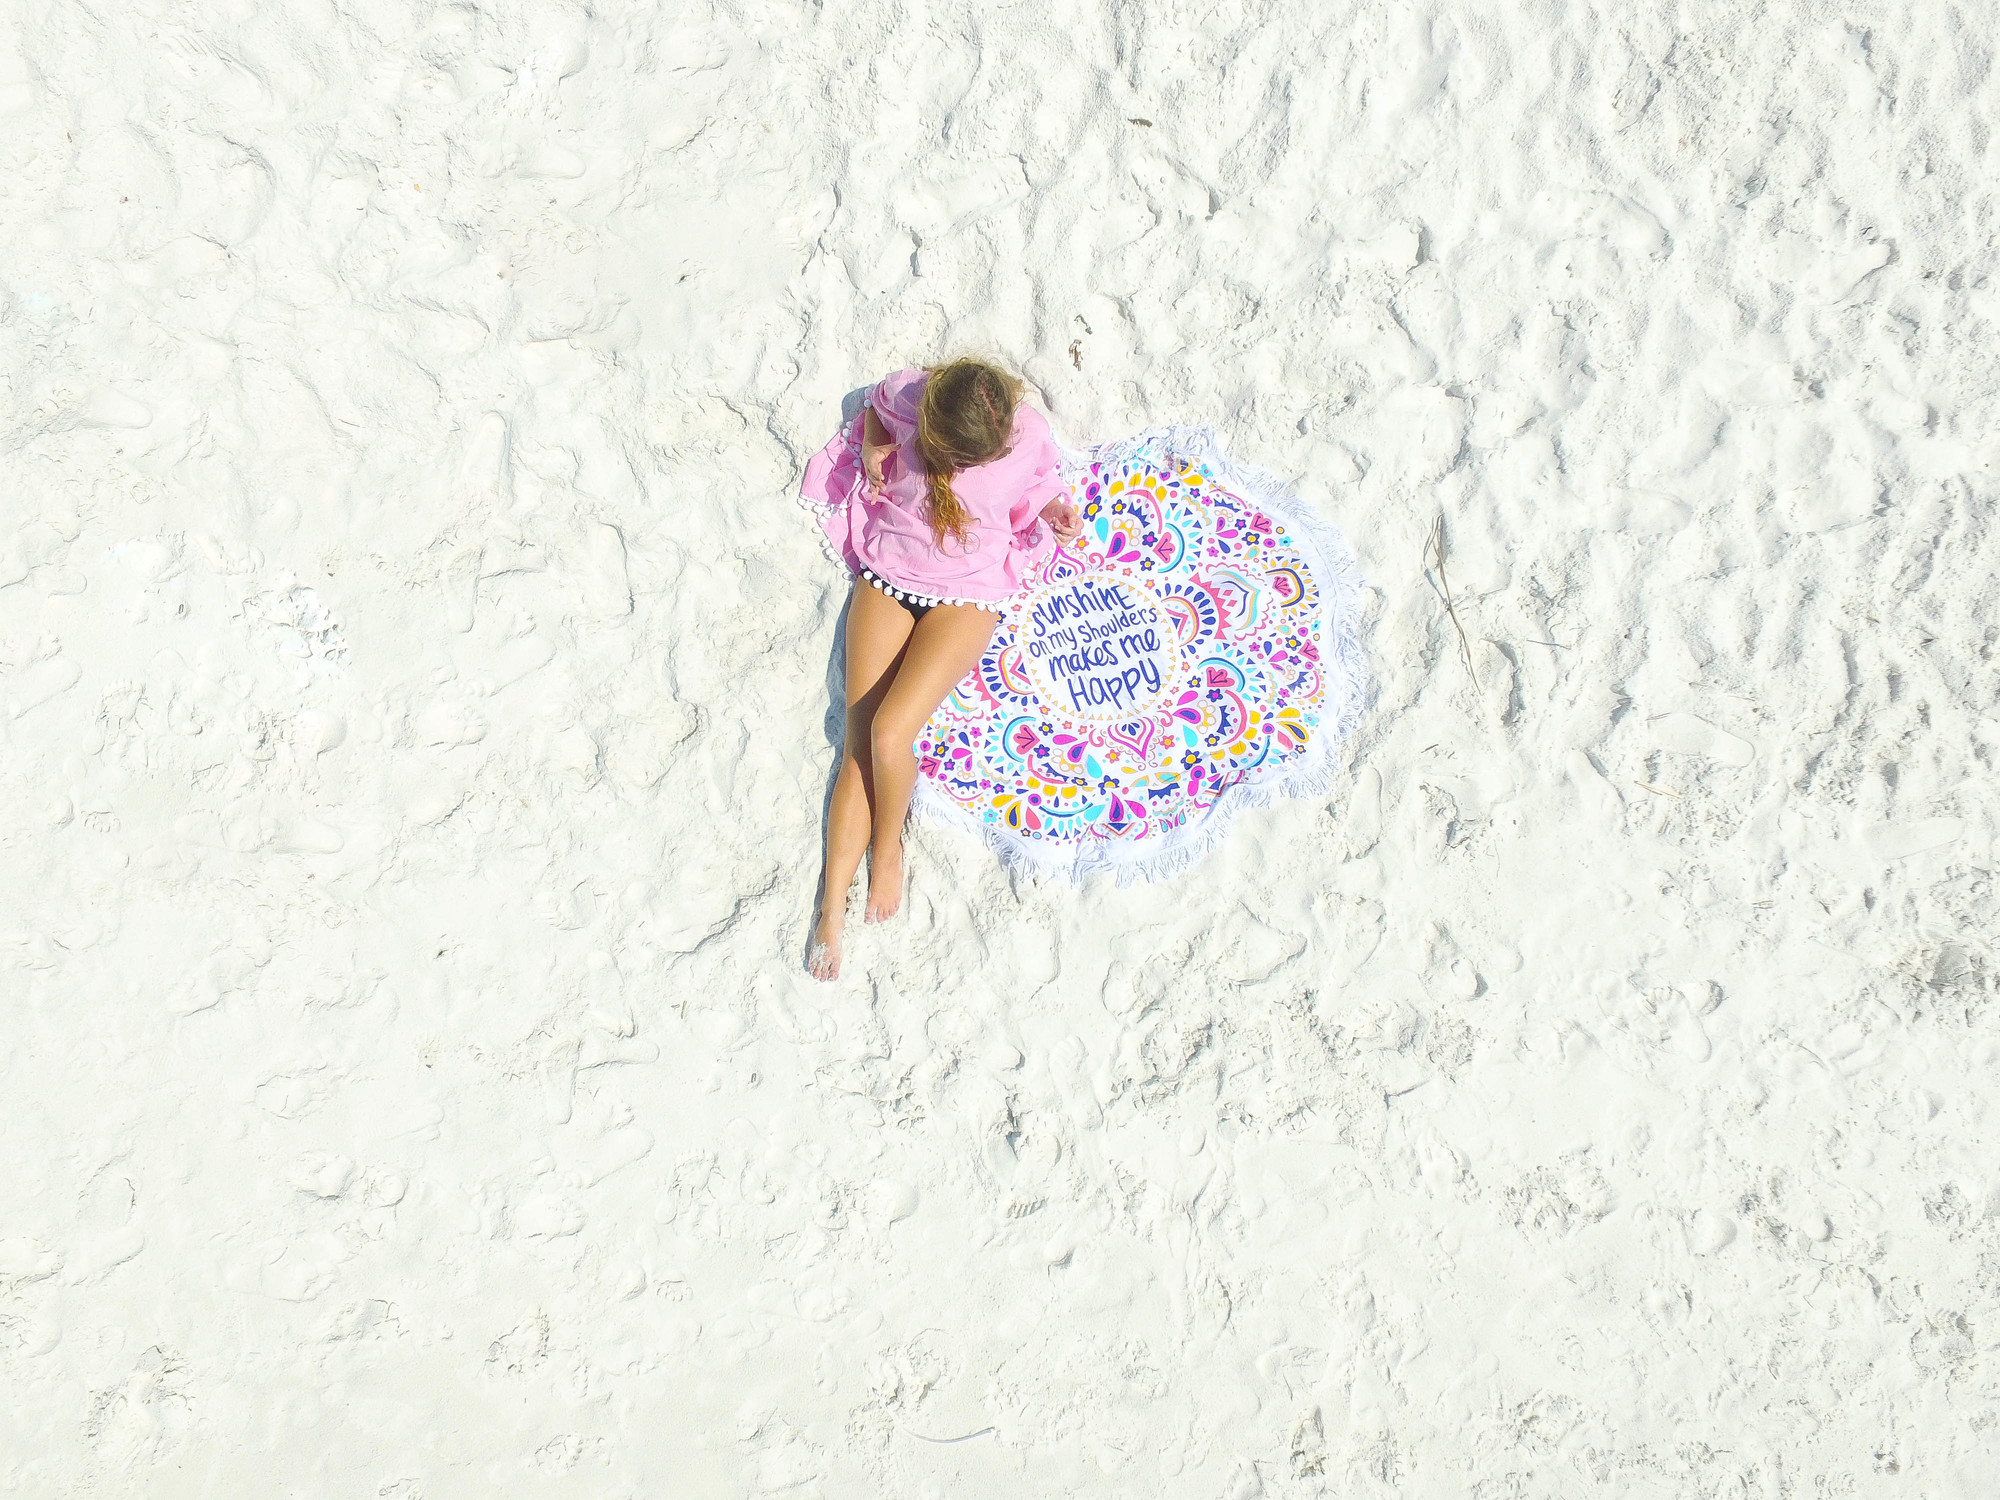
x: 1099, y: 649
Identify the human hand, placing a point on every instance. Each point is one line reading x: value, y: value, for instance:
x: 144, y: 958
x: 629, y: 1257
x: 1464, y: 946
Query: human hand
x: 876, y: 445
x: 1063, y: 519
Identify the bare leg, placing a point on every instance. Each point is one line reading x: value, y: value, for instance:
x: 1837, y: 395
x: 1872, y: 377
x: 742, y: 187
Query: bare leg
x: 946, y: 644
x: 878, y: 628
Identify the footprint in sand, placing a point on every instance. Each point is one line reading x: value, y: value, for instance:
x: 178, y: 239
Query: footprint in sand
x: 1709, y: 1231
x: 35, y: 685
x: 559, y: 1081
x: 546, y: 1216
x: 1689, y: 735
x: 1364, y: 812
x: 615, y: 1150
x: 890, y: 1199
x: 323, y: 1174
x: 1891, y: 841
x: 26, y: 1259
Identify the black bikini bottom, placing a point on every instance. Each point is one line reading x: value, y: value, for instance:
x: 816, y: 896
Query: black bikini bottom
x: 918, y: 607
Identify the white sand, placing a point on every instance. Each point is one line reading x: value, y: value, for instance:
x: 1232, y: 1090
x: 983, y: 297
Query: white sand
x: 414, y: 723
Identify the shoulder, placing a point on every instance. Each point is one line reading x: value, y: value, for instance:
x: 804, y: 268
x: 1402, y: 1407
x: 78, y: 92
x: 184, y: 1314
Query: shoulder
x: 897, y: 393
x: 1031, y: 430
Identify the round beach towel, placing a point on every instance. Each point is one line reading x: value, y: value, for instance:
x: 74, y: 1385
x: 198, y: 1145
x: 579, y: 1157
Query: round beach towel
x: 1195, y: 650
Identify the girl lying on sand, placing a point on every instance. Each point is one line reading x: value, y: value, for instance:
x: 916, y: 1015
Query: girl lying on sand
x: 935, y: 497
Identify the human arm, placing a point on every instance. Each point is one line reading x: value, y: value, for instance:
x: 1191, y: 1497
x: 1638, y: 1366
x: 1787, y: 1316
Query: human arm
x: 889, y: 419
x: 876, y: 444
x: 1046, y: 495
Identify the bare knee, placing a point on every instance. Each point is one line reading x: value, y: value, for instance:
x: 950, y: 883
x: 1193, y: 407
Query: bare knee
x: 860, y: 729
x: 889, y: 741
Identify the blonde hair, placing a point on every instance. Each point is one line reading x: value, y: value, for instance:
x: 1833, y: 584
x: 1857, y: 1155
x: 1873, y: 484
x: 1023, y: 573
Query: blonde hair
x: 964, y: 418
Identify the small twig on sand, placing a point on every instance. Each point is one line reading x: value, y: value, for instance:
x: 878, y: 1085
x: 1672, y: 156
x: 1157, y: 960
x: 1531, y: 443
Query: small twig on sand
x: 1441, y: 586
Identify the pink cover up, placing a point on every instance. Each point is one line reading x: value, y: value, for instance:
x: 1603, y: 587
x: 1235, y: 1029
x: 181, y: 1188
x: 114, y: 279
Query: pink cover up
x: 886, y: 536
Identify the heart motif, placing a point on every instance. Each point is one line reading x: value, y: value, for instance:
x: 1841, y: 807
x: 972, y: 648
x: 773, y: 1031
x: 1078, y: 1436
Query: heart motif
x: 1138, y: 743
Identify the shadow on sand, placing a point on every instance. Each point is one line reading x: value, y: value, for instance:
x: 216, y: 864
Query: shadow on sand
x: 834, y: 725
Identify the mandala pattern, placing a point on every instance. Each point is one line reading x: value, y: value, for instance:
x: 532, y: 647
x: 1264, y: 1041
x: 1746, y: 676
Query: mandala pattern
x: 1172, y: 652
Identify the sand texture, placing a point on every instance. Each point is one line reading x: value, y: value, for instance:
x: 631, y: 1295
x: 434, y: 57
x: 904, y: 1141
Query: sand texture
x: 414, y: 728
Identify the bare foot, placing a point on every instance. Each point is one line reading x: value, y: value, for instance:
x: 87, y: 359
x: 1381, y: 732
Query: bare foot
x: 823, y: 954
x: 885, y: 885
